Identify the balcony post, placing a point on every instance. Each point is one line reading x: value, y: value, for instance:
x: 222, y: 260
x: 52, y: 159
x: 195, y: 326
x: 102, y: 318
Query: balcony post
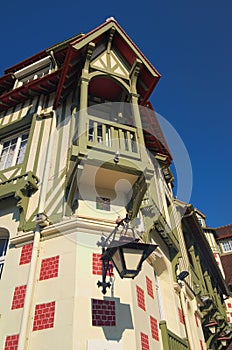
x: 135, y: 70
x: 84, y: 87
x: 164, y: 334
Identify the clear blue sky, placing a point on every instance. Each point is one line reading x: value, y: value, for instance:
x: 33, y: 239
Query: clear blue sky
x: 189, y: 42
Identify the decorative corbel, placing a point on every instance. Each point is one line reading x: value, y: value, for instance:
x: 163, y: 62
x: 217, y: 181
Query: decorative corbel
x: 110, y: 40
x: 134, y: 73
x: 89, y: 53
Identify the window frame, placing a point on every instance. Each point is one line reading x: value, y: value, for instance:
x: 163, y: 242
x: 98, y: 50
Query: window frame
x: 17, y: 149
x: 4, y: 236
x: 225, y: 245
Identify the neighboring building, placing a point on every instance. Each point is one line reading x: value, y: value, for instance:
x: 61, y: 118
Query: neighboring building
x: 80, y: 147
x: 224, y: 240
x: 220, y: 241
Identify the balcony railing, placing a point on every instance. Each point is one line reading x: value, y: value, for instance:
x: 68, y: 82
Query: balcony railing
x: 170, y: 340
x: 112, y: 136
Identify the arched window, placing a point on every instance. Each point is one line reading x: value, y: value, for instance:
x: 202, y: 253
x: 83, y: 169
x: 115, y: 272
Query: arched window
x: 4, y: 239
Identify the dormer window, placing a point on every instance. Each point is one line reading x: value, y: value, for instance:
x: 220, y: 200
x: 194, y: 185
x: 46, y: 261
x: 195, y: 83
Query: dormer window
x: 226, y: 246
x: 34, y: 71
x: 12, y: 150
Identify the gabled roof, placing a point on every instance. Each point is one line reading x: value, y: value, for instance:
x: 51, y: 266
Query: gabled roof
x: 224, y: 232
x: 69, y: 56
x: 148, y: 77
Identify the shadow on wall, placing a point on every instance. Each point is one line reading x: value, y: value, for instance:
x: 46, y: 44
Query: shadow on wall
x: 123, y: 320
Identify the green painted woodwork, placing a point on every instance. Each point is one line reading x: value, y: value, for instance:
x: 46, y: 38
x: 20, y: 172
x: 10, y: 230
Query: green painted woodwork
x: 21, y: 187
x: 155, y: 222
x: 16, y: 125
x: 170, y: 340
x: 198, y: 270
x: 29, y: 143
x: 39, y: 144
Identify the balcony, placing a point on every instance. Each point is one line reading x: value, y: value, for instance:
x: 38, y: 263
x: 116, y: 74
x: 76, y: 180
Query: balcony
x: 111, y: 137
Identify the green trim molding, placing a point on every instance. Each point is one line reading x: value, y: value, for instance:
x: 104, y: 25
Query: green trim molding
x: 21, y: 187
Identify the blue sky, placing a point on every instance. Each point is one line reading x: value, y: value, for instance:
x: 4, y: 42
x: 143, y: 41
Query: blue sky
x: 189, y: 43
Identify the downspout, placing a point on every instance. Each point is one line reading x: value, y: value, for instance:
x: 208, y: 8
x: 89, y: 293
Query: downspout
x: 23, y: 335
x: 186, y: 323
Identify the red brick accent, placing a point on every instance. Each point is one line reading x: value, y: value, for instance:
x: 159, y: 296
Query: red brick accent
x: 97, y: 266
x: 144, y: 341
x: 154, y: 328
x: 26, y: 254
x: 229, y: 305
x: 49, y: 268
x: 201, y: 345
x: 103, y: 313
x: 149, y: 287
x: 181, y: 316
x: 18, y: 298
x: 196, y: 319
x: 11, y: 342
x: 44, y: 316
x: 140, y: 298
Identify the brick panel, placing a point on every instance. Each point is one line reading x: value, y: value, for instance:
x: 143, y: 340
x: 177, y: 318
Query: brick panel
x: 18, y: 298
x: 44, y: 316
x: 26, y: 253
x: 154, y: 328
x: 144, y: 341
x: 49, y: 268
x: 11, y: 342
x: 149, y: 287
x: 103, y: 313
x: 201, y: 345
x: 181, y: 316
x: 140, y: 298
x: 97, y: 266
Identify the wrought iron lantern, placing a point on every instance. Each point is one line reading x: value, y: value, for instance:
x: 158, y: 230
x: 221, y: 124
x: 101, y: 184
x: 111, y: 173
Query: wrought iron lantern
x: 125, y: 252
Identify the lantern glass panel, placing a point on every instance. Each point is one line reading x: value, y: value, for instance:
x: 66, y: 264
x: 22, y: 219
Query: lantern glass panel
x: 132, y: 258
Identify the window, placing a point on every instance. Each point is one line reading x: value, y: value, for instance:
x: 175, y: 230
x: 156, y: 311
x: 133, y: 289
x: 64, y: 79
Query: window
x: 12, y: 150
x: 34, y: 71
x: 226, y: 246
x: 4, y: 238
x: 103, y: 203
x: 35, y: 75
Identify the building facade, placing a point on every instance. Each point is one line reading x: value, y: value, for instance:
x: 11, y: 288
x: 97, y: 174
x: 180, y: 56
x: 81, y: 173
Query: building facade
x: 80, y: 149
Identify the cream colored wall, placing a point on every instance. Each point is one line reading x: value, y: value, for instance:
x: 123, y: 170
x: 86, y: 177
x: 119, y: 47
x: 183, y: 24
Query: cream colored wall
x: 13, y: 275
x: 9, y: 216
x: 61, y: 290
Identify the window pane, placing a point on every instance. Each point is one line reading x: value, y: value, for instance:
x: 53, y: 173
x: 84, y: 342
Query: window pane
x: 226, y: 246
x: 22, y: 149
x: 103, y: 203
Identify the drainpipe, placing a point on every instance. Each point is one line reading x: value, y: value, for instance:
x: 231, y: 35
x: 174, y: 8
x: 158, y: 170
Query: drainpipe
x: 186, y: 322
x: 25, y: 322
